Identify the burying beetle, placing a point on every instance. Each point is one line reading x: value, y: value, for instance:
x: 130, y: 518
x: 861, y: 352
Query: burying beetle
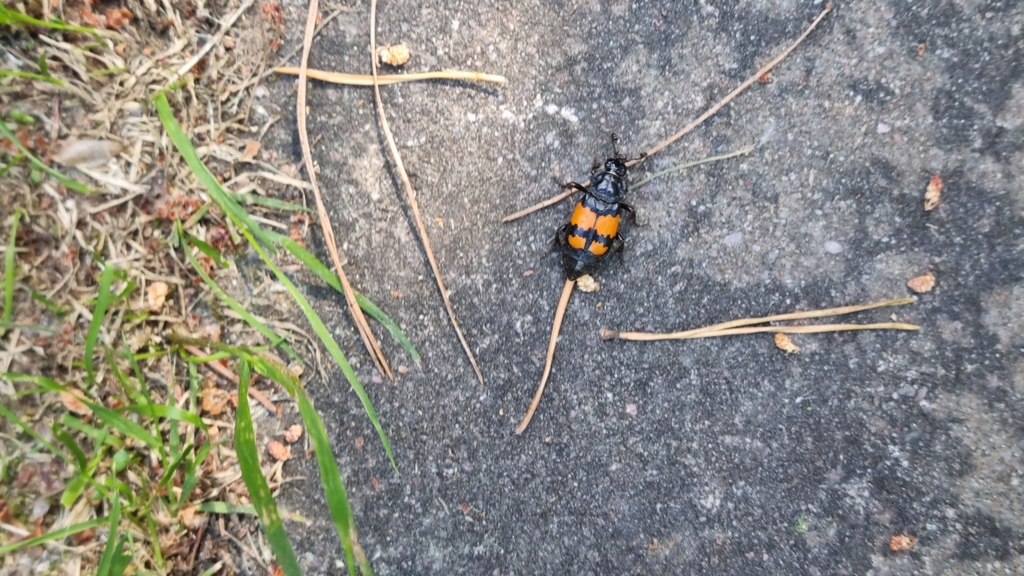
x: 592, y: 232
x: 593, y: 228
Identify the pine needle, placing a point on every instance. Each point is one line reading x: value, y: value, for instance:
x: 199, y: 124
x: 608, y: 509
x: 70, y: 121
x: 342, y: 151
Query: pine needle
x: 710, y: 112
x: 735, y: 327
x: 325, y: 223
x: 556, y: 326
x: 411, y: 194
x: 367, y: 80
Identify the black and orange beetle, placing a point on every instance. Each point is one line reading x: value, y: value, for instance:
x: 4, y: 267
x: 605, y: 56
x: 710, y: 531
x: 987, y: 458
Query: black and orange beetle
x: 593, y: 228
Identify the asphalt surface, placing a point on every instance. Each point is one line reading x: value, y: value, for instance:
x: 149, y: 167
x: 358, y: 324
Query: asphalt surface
x: 720, y: 456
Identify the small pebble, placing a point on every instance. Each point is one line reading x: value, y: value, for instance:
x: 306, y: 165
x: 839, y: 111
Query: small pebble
x: 907, y: 390
x: 883, y: 128
x: 734, y: 239
x: 631, y: 409
x: 833, y: 247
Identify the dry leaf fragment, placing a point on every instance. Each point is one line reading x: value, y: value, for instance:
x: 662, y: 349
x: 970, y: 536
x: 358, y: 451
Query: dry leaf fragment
x: 279, y: 450
x: 587, y: 283
x: 922, y: 283
x: 118, y: 17
x: 157, y: 295
x: 933, y: 194
x: 71, y: 400
x: 920, y: 50
x: 214, y: 401
x: 394, y: 55
x: 359, y: 442
x: 86, y: 152
x: 782, y: 342
x: 252, y: 148
x: 293, y: 433
x: 902, y: 542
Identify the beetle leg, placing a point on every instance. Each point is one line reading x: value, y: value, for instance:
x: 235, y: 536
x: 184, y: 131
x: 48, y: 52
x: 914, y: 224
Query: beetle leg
x: 561, y: 237
x: 574, y: 186
x: 618, y: 244
x: 615, y: 145
x: 630, y: 213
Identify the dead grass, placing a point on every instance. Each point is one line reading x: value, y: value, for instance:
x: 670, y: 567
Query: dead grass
x: 96, y: 90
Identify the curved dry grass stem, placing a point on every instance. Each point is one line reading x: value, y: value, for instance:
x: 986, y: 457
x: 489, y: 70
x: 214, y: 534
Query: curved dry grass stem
x: 411, y: 194
x: 556, y: 326
x: 367, y: 80
x: 700, y: 119
x: 727, y: 328
x: 814, y: 329
x: 325, y: 224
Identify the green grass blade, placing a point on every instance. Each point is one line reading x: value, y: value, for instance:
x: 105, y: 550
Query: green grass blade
x: 52, y: 306
x: 31, y: 75
x: 76, y: 186
x: 95, y: 434
x: 9, y: 261
x: 325, y: 274
x: 205, y: 249
x: 225, y: 508
x: 102, y: 301
x: 76, y: 451
x: 238, y: 308
x: 259, y: 492
x: 192, y: 471
x: 104, y: 414
x: 11, y: 416
x: 266, y: 202
x: 332, y: 347
x: 165, y: 411
x: 114, y: 562
x: 12, y: 17
x: 224, y: 201
x: 51, y: 536
x: 73, y: 490
x: 330, y: 477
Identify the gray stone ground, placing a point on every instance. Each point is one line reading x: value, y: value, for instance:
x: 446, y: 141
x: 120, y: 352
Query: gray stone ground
x: 683, y: 457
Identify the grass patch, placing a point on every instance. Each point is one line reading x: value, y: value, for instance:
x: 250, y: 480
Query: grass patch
x: 143, y: 434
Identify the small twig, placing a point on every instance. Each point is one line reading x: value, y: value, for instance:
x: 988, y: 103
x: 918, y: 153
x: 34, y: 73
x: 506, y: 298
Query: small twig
x: 711, y: 111
x: 325, y: 223
x: 367, y: 80
x: 812, y: 329
x: 717, y: 329
x: 678, y: 167
x: 691, y: 125
x: 411, y: 194
x: 556, y: 326
x: 224, y: 27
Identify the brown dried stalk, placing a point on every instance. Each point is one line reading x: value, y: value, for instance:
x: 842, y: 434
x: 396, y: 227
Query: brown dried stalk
x: 734, y: 327
x: 325, y: 224
x: 563, y: 302
x: 711, y: 111
x: 367, y: 80
x: 411, y: 194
